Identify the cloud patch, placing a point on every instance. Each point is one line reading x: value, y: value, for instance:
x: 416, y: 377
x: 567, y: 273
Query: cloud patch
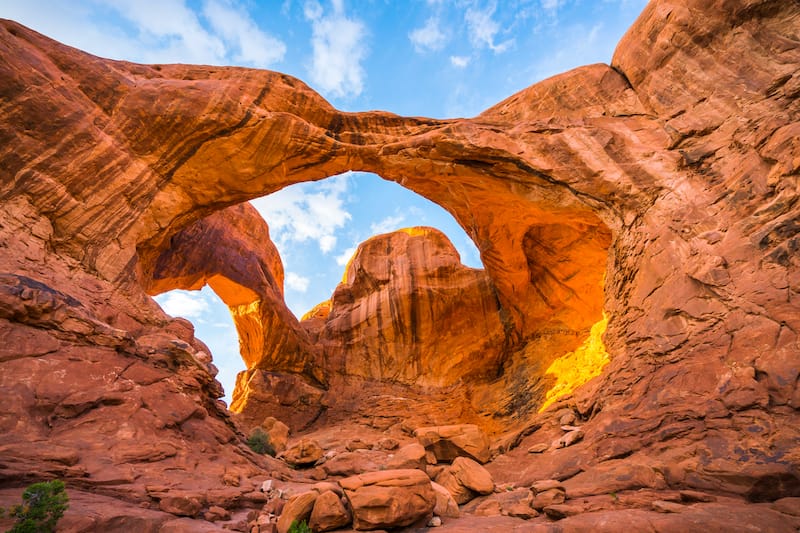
x: 221, y: 33
x: 459, y: 61
x: 429, y: 37
x: 483, y: 29
x: 307, y: 212
x: 338, y: 48
x: 296, y: 282
x: 386, y: 225
x: 183, y: 303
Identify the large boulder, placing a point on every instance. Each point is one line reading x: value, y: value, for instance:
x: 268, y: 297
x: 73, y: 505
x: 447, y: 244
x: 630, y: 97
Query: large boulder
x: 465, y: 479
x: 389, y: 498
x: 329, y: 513
x: 458, y: 440
x: 297, y: 509
x: 303, y: 453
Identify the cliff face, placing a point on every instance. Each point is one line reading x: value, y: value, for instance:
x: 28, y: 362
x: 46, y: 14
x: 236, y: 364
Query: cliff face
x: 661, y: 190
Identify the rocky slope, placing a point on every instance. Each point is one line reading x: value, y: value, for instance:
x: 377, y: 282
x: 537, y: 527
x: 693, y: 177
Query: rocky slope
x: 660, y: 192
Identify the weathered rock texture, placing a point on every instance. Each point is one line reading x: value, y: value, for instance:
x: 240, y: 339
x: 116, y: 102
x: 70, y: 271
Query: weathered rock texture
x: 662, y: 189
x: 409, y: 312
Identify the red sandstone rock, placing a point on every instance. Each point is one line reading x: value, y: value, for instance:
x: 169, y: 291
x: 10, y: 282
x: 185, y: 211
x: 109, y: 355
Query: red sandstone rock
x: 328, y: 513
x: 297, y: 509
x: 660, y: 189
x: 449, y: 442
x: 391, y: 498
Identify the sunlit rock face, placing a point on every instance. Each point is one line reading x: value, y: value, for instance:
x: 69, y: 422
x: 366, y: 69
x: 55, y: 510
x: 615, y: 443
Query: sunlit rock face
x: 409, y: 312
x: 661, y: 189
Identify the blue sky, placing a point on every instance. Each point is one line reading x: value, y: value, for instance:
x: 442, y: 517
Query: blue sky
x: 435, y: 58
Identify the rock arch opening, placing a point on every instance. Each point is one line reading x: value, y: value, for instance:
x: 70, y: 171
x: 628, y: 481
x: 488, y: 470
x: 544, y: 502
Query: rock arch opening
x: 514, y: 336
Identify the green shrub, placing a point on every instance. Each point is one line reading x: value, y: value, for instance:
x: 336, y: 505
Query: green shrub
x: 299, y: 527
x: 43, y: 505
x: 259, y: 442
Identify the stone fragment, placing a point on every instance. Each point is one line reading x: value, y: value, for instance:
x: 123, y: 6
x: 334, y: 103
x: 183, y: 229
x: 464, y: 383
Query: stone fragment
x: 435, y: 521
x: 357, y: 444
x: 387, y: 443
x: 472, y: 475
x: 539, y: 448
x: 559, y: 511
x: 389, y: 498
x: 216, y: 513
x: 449, y: 442
x: 445, y: 506
x: 329, y: 513
x: 409, y: 456
x: 546, y: 498
x: 297, y: 509
x: 546, y: 484
x: 568, y: 439
x: 303, y: 453
x: 278, y: 433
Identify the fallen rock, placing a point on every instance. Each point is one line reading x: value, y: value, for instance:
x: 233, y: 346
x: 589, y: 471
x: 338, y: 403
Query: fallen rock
x: 516, y: 503
x: 329, y: 513
x: 409, y: 456
x: 216, y: 513
x: 465, y: 479
x: 538, y: 448
x: 445, y: 505
x: 357, y: 444
x: 297, y: 509
x: 546, y: 484
x: 568, y: 439
x: 278, y: 433
x: 389, y: 498
x: 472, y: 475
x: 559, y: 511
x: 387, y: 443
x: 449, y: 442
x: 547, y: 498
x: 303, y: 453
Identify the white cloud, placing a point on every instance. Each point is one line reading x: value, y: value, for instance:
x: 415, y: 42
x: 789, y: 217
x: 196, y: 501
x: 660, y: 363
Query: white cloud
x: 459, y: 61
x: 307, y: 211
x: 386, y: 225
x: 338, y: 50
x: 552, y: 5
x: 240, y: 32
x: 483, y: 29
x: 429, y: 37
x: 345, y: 256
x: 137, y: 31
x: 296, y: 282
x: 183, y: 303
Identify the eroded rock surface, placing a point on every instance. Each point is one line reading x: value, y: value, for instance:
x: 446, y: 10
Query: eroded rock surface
x: 661, y: 190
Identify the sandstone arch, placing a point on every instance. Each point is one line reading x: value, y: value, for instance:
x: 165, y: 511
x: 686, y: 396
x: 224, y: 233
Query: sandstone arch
x: 684, y: 149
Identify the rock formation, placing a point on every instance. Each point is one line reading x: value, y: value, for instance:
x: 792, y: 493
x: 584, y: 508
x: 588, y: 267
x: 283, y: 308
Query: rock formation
x: 659, y: 194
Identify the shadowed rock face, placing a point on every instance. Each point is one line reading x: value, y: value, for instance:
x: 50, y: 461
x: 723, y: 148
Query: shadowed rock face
x: 662, y: 189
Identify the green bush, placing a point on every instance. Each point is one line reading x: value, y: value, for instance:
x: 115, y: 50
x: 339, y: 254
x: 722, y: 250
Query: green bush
x: 299, y: 527
x: 43, y: 505
x: 259, y: 442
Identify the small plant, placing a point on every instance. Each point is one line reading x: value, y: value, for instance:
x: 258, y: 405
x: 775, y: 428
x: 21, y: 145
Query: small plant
x: 299, y: 527
x: 43, y: 505
x: 259, y: 442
